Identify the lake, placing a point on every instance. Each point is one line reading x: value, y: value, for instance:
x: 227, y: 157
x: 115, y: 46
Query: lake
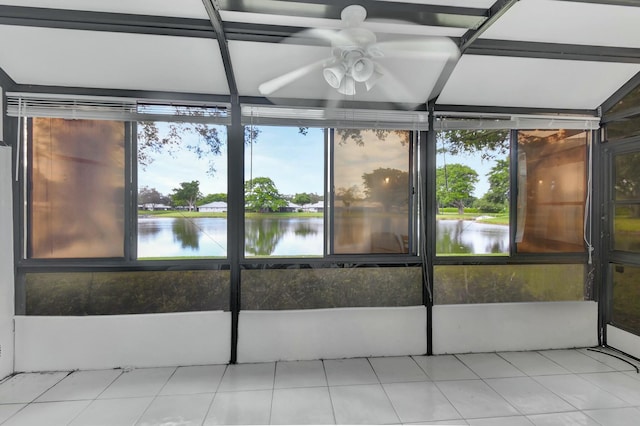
x: 207, y: 237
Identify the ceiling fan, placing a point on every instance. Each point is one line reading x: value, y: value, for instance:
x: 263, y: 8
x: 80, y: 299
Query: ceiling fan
x: 355, y: 64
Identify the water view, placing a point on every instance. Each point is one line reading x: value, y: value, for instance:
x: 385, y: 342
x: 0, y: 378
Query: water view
x: 304, y: 236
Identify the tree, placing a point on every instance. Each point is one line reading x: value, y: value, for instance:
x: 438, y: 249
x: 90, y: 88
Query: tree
x: 202, y: 139
x: 454, y: 185
x: 499, y: 182
x: 262, y: 236
x: 210, y: 198
x: 356, y: 135
x: 387, y: 186
x: 151, y: 196
x: 490, y: 143
x: 261, y: 195
x: 627, y: 180
x: 348, y: 195
x: 188, y: 193
x: 301, y: 198
x: 497, y: 197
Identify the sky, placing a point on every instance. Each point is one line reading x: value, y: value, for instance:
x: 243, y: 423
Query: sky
x: 293, y: 161
x: 482, y: 167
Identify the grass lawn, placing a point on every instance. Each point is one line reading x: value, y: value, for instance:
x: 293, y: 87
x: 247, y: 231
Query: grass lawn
x: 496, y: 219
x: 492, y: 218
x: 627, y: 224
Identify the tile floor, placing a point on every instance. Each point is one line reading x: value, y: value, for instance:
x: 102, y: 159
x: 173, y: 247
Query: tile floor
x: 558, y: 387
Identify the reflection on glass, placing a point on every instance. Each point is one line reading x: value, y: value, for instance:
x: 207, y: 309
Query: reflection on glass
x: 186, y: 233
x: 286, y: 236
x: 626, y: 228
x: 262, y: 236
x: 117, y: 293
x: 180, y: 237
x: 625, y: 312
x: 627, y: 176
x: 323, y: 288
x: 554, y: 181
x: 623, y: 128
x: 626, y: 220
x: 470, y: 237
x: 76, y: 199
x: 371, y: 198
x: 459, y: 284
x: 630, y: 101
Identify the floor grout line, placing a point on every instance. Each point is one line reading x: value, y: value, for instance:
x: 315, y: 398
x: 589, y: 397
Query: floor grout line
x: 625, y: 410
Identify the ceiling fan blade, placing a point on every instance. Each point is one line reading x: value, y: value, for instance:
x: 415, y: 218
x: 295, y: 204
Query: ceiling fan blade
x: 269, y: 87
x: 394, y: 90
x: 422, y: 47
x: 319, y: 36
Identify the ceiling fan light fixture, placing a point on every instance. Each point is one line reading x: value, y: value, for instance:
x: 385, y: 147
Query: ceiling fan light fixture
x: 347, y: 86
x: 362, y: 69
x: 376, y: 75
x: 334, y: 75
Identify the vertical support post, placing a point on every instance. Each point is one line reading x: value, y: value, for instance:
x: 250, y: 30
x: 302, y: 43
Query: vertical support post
x: 427, y: 180
x: 235, y: 216
x: 601, y: 181
x: 513, y: 189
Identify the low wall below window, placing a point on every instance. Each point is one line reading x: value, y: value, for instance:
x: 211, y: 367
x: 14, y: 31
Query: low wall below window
x: 331, y: 333
x: 496, y: 327
x: 6, y: 262
x: 623, y: 340
x: 98, y: 342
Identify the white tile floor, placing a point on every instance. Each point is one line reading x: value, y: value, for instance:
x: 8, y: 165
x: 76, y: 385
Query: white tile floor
x: 563, y: 387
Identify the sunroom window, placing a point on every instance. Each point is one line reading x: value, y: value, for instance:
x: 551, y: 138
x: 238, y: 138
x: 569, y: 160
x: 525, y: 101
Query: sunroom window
x: 472, y: 192
x: 76, y: 205
x: 182, y: 190
x: 372, y: 188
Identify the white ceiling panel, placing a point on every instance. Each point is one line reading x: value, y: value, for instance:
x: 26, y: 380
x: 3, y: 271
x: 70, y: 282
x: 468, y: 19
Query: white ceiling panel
x: 536, y: 83
x: 407, y: 80
x: 179, y: 8
x: 554, y: 21
x: 59, y: 57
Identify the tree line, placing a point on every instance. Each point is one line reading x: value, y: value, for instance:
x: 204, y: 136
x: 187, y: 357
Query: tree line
x: 261, y: 195
x: 455, y: 183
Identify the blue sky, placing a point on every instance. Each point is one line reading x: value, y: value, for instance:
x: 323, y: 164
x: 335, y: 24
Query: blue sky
x: 293, y: 161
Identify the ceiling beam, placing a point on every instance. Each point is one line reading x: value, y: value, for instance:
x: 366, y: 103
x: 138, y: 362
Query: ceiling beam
x: 322, y: 103
x: 102, y: 21
x: 213, y: 10
x: 442, y: 109
x: 572, y: 52
x: 150, y: 95
x: 495, y: 12
x: 422, y: 14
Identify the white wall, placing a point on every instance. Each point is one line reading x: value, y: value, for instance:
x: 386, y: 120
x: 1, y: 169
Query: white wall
x: 623, y: 340
x: 110, y: 341
x: 514, y: 326
x: 331, y: 333
x: 6, y: 264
